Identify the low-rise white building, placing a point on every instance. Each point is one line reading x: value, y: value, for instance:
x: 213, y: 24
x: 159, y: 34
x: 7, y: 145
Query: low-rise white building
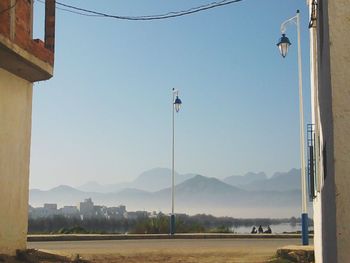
x: 47, y: 211
x: 136, y: 214
x: 86, y: 208
x: 69, y: 211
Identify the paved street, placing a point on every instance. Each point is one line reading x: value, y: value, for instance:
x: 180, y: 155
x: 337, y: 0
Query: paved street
x: 160, y: 250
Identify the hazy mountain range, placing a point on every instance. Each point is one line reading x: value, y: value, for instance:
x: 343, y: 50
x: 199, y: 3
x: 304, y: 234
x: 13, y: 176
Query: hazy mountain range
x: 251, y: 195
x: 151, y: 180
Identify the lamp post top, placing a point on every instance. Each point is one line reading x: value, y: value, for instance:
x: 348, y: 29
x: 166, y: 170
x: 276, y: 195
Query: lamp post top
x: 283, y: 45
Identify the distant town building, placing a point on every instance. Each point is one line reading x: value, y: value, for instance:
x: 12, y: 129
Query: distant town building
x: 69, y: 211
x: 99, y: 211
x: 116, y: 212
x: 52, y: 207
x: 136, y: 214
x: 86, y: 208
x: 153, y: 214
x: 47, y: 211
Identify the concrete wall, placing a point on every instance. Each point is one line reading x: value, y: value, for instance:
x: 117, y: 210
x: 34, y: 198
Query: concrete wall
x: 15, y: 133
x: 22, y: 62
x: 339, y: 28
x: 315, y: 110
x: 331, y: 113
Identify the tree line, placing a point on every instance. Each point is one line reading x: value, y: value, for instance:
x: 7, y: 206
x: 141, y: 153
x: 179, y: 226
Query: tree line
x: 200, y: 223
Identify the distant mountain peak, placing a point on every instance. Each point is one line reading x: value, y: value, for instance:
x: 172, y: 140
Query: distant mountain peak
x: 203, y: 183
x: 198, y: 176
x: 257, y: 174
x: 156, y: 179
x: 291, y: 172
x: 63, y: 188
x: 92, y: 183
x: 238, y: 180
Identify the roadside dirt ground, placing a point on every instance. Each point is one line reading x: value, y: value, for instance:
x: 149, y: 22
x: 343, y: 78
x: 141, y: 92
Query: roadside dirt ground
x: 173, y: 257
x: 170, y: 251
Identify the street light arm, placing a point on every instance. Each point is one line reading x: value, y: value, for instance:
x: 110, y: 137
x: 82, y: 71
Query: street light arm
x: 287, y: 22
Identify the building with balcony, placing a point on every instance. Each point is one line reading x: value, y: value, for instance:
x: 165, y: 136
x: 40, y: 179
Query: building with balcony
x: 23, y: 60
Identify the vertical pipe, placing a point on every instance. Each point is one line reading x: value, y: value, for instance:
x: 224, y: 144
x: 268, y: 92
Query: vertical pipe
x: 304, y: 215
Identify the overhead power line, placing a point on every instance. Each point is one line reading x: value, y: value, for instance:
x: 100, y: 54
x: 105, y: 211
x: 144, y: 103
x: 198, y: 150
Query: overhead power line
x: 69, y: 10
x: 172, y: 14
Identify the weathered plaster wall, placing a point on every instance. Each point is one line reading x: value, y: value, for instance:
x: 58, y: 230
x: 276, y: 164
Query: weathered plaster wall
x: 15, y: 133
x: 339, y: 28
x: 327, y: 198
x: 317, y: 208
x: 332, y: 116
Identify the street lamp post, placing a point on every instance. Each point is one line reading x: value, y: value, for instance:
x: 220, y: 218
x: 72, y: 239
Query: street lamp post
x: 283, y: 46
x: 176, y: 107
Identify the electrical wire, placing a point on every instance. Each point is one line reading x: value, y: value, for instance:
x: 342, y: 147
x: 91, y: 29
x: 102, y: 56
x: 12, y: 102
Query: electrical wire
x: 156, y: 17
x: 172, y: 14
x: 70, y: 11
x: 9, y: 8
x: 188, y: 10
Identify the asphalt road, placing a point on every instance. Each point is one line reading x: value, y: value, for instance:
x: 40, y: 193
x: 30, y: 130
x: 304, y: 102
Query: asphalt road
x: 177, y: 250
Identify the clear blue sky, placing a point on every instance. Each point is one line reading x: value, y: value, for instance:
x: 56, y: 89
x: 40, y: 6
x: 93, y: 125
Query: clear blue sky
x: 106, y: 113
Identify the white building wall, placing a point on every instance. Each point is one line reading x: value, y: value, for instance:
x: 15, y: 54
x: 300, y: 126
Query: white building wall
x: 15, y: 133
x: 330, y: 75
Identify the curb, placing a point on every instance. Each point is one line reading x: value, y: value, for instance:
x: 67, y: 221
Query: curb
x: 86, y: 237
